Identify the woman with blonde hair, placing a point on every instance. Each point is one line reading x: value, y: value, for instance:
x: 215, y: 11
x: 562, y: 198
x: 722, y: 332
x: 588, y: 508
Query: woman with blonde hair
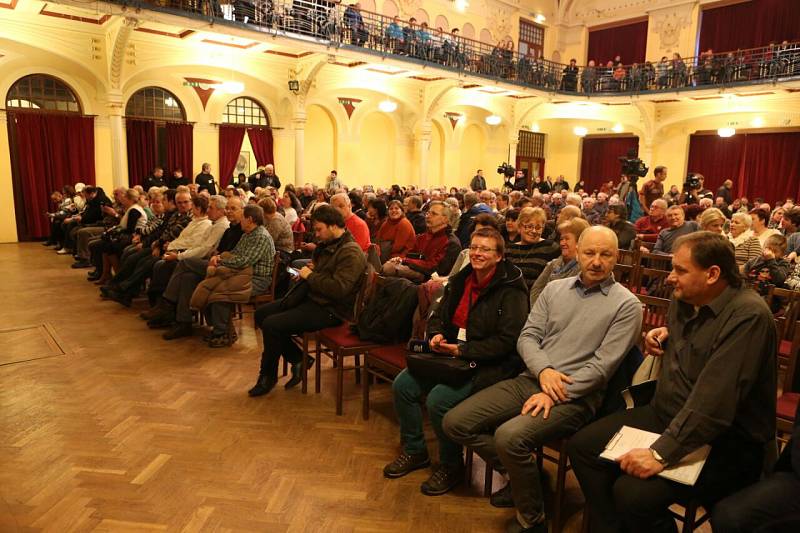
x: 712, y: 220
x: 566, y: 265
x: 745, y: 243
x: 532, y: 253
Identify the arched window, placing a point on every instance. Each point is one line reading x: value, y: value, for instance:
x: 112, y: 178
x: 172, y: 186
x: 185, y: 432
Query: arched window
x: 246, y: 112
x: 44, y: 93
x: 155, y: 103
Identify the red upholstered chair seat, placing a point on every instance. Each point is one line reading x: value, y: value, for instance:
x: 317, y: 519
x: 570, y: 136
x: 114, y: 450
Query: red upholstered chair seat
x: 341, y: 336
x: 394, y: 355
x: 787, y: 405
x: 785, y: 348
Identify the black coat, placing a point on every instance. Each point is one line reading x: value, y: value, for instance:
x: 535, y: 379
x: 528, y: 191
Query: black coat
x: 417, y: 219
x: 626, y: 233
x: 152, y: 181
x: 206, y: 182
x: 493, y: 326
x: 175, y: 182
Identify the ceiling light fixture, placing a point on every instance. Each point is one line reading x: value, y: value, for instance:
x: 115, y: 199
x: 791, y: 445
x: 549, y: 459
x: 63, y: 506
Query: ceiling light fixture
x: 580, y: 131
x: 231, y: 87
x: 617, y: 128
x: 493, y: 120
x: 540, y: 18
x: 387, y: 106
x: 758, y: 122
x: 461, y: 5
x: 726, y: 132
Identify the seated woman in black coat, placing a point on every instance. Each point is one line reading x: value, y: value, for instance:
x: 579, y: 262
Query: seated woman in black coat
x: 617, y: 218
x: 479, y: 320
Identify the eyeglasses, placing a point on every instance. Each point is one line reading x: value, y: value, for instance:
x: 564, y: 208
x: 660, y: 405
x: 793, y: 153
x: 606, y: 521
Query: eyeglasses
x: 531, y: 227
x: 433, y: 213
x: 481, y: 249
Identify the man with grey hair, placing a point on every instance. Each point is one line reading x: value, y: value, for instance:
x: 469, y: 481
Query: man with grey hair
x: 574, y: 199
x: 565, y: 379
x: 434, y: 251
x: 678, y: 227
x: 173, y: 309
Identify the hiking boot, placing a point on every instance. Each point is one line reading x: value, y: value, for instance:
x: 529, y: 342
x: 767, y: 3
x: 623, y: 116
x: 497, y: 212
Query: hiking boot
x: 405, y: 464
x: 444, y: 479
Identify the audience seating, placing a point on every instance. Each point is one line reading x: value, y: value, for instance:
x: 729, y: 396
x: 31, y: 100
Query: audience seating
x: 786, y: 305
x: 340, y: 342
x: 788, y: 399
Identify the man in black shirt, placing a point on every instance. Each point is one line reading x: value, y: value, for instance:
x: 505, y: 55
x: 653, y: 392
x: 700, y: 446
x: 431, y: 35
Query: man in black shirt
x: 414, y: 214
x: 177, y: 179
x: 717, y: 387
x: 205, y: 181
x: 156, y: 179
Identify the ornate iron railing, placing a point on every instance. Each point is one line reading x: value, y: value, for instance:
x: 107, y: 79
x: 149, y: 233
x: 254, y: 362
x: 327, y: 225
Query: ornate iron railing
x: 342, y: 26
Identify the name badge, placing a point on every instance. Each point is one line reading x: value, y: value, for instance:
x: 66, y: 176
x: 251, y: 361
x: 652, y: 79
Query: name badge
x: 462, y: 335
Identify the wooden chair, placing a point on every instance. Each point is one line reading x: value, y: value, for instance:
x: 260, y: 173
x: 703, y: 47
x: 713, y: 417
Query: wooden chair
x: 652, y: 277
x: 627, y: 268
x: 689, y: 517
x: 338, y: 343
x: 785, y: 303
x: 654, y: 312
x: 790, y: 396
x: 562, y: 460
x: 381, y: 363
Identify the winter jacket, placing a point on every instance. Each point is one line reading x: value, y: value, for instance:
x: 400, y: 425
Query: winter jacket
x: 224, y: 285
x: 339, y: 267
x: 439, y: 251
x: 493, y: 326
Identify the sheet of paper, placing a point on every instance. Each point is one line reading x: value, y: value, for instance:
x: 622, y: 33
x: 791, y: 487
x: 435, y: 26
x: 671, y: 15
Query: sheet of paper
x: 628, y: 438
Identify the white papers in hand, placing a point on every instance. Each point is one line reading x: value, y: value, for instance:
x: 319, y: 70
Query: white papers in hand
x: 627, y: 438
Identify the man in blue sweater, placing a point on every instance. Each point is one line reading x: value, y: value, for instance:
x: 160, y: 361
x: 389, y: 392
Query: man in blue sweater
x: 577, y: 334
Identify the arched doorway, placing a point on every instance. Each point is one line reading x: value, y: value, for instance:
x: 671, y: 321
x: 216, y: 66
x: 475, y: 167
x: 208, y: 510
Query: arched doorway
x: 51, y: 145
x: 239, y: 153
x: 157, y: 134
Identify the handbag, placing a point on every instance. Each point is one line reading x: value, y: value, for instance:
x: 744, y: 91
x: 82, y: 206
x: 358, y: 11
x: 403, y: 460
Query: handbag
x: 438, y: 368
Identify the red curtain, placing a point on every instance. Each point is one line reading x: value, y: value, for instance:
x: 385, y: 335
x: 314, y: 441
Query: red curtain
x: 600, y: 159
x: 760, y: 164
x: 749, y: 25
x: 142, y: 157
x: 180, y: 142
x: 261, y: 141
x: 628, y: 41
x: 52, y: 151
x: 230, y: 145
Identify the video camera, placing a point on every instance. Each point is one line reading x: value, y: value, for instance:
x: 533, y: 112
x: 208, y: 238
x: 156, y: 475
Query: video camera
x: 506, y: 170
x: 632, y: 166
x: 692, y: 182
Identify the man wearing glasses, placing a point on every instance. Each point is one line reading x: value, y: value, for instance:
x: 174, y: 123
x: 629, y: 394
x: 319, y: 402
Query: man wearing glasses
x: 649, y: 226
x: 434, y: 251
x: 577, y: 334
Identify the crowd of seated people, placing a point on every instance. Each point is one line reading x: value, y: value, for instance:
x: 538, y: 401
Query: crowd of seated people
x: 528, y: 301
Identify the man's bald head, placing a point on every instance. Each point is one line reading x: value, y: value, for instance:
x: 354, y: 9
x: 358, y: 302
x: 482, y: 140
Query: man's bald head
x: 597, y: 254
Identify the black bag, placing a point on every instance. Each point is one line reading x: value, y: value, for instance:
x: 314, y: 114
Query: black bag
x: 388, y: 315
x: 440, y: 368
x: 297, y: 294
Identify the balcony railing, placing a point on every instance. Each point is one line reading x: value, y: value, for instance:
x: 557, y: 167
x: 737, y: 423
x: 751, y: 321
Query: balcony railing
x: 341, y: 26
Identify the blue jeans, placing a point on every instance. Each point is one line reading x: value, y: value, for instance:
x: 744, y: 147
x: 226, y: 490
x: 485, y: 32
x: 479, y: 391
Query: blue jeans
x: 408, y: 392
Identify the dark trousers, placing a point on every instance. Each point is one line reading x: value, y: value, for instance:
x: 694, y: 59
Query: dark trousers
x: 162, y: 272
x: 187, y: 275
x: 142, y: 270
x: 616, y: 500
x: 490, y: 423
x: 408, y: 392
x: 769, y: 506
x: 128, y: 263
x: 278, y: 325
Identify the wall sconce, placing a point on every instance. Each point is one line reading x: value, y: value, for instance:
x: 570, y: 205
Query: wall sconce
x: 580, y: 131
x: 294, y: 86
x: 493, y: 120
x: 387, y: 106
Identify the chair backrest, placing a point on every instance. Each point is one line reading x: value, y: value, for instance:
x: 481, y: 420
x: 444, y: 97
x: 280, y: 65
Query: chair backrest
x: 791, y: 382
x: 367, y: 287
x: 785, y: 303
x: 277, y: 265
x: 654, y: 312
x: 298, y: 238
x: 626, y: 271
x: 652, y: 277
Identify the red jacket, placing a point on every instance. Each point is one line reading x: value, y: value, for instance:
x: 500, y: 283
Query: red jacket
x: 650, y: 229
x: 439, y: 251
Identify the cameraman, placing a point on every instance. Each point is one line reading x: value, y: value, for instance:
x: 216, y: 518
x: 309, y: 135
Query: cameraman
x: 520, y: 181
x: 653, y: 189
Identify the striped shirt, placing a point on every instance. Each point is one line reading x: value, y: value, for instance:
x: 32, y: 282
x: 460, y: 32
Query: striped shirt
x: 532, y: 258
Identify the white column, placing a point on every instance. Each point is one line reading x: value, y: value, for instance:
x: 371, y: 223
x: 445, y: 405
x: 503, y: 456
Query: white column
x: 8, y: 221
x: 119, y: 171
x: 512, y: 151
x: 423, y: 149
x: 299, y: 125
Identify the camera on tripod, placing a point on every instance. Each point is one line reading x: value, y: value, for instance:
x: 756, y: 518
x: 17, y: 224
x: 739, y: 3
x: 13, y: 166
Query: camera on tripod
x: 506, y: 170
x: 692, y: 182
x: 632, y: 166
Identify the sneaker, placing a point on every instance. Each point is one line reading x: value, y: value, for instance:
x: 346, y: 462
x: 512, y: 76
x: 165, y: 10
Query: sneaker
x: 62, y: 251
x: 406, y: 464
x: 81, y: 263
x: 444, y: 479
x: 219, y: 341
x: 502, y: 498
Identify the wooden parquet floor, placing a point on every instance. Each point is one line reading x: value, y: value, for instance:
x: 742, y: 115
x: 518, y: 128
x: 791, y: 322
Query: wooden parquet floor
x: 127, y: 432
